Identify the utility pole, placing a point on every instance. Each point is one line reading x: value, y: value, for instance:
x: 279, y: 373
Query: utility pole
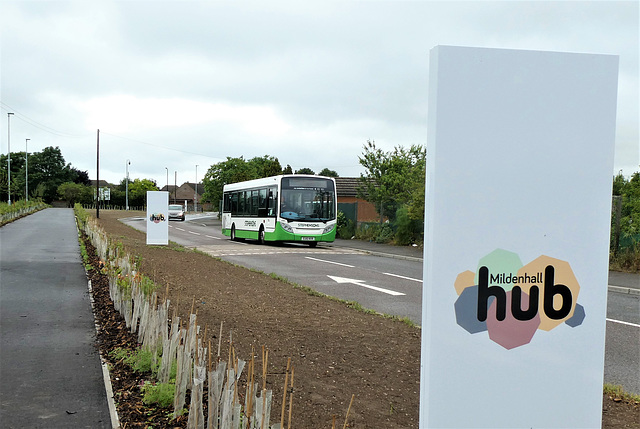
x: 127, y: 183
x: 98, y: 178
x: 26, y: 170
x: 175, y: 186
x: 9, y: 156
x: 195, y: 196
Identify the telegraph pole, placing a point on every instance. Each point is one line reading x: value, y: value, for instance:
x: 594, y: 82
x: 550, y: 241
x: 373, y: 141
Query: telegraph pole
x: 98, y: 177
x: 26, y: 169
x: 9, y: 156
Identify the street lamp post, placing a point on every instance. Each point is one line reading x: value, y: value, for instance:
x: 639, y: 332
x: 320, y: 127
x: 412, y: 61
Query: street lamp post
x: 195, y: 196
x: 126, y: 186
x: 9, y: 156
x: 26, y: 169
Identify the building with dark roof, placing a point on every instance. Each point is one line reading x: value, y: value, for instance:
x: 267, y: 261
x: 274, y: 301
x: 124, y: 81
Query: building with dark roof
x: 354, y: 207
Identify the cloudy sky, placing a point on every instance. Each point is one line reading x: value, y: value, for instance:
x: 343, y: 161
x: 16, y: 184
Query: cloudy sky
x: 175, y: 84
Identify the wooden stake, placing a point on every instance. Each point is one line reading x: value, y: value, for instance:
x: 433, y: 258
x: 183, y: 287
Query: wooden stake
x: 348, y: 409
x: 220, y: 340
x: 251, y: 376
x: 284, y: 393
x: 290, y: 400
x: 333, y: 425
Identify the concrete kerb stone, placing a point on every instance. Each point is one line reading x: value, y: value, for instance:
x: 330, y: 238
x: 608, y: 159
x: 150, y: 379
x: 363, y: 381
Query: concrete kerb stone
x: 106, y: 375
x: 624, y: 290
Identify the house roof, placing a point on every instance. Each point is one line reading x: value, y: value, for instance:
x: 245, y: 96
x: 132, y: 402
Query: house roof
x: 103, y: 184
x: 347, y: 186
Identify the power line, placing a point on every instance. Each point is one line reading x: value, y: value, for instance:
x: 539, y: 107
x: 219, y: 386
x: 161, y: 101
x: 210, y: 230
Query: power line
x: 160, y: 146
x: 40, y: 126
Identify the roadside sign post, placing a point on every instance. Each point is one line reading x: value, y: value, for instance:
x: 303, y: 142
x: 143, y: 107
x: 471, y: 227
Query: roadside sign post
x: 518, y: 205
x: 158, y: 218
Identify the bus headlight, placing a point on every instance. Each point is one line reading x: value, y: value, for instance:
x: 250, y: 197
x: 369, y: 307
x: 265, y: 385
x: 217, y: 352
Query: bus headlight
x: 328, y: 229
x: 286, y: 227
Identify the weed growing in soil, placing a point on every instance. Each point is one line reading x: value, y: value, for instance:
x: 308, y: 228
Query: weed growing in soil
x: 617, y: 394
x: 160, y: 394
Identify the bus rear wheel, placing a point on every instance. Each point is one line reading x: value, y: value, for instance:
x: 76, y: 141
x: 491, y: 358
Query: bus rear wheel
x: 261, y: 235
x: 233, y: 233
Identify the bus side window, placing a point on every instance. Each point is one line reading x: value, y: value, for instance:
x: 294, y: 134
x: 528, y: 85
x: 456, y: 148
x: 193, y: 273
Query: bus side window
x: 273, y: 199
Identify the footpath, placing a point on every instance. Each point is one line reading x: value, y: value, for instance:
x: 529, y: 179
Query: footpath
x: 49, y: 365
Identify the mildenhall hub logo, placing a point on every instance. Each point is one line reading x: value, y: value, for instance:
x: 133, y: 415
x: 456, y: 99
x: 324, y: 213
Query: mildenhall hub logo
x: 156, y: 217
x: 512, y: 302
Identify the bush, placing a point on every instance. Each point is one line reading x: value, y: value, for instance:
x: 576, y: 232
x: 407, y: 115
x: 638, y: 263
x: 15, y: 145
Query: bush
x: 161, y: 394
x: 408, y: 231
x: 386, y: 234
x: 344, y: 227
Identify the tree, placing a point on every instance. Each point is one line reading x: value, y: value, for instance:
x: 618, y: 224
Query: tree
x: 74, y: 193
x: 287, y: 170
x: 305, y: 171
x: 393, y: 180
x: 265, y: 166
x: 328, y: 173
x: 237, y: 170
x: 47, y: 171
x: 230, y: 171
x: 138, y: 191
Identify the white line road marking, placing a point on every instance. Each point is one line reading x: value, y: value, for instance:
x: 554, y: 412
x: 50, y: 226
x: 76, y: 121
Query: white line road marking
x: 361, y: 283
x: 179, y: 229
x: 329, y: 262
x: 623, y: 323
x: 194, y: 233
x: 215, y: 238
x: 403, y: 277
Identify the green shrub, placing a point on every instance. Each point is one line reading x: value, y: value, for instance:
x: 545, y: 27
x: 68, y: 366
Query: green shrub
x: 386, y: 234
x: 344, y: 227
x: 161, y: 394
x: 408, y: 231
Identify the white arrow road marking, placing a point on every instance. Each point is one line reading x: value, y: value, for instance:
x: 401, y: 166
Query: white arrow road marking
x: 361, y: 283
x: 403, y: 277
x: 329, y: 262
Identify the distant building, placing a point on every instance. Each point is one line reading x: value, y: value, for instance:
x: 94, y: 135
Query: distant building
x: 186, y: 194
x: 354, y: 207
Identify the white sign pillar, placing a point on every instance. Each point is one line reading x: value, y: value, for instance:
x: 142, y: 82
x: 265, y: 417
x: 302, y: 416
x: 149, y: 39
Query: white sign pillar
x: 158, y: 217
x: 519, y: 174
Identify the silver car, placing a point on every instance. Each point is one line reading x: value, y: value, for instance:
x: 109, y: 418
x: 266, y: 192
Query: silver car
x: 176, y: 211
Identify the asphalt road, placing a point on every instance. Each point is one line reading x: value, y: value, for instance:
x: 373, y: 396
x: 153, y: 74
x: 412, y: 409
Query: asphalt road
x: 388, y: 279
x: 50, y: 370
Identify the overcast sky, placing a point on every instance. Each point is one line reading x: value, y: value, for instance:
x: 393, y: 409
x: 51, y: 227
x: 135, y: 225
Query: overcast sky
x: 175, y: 84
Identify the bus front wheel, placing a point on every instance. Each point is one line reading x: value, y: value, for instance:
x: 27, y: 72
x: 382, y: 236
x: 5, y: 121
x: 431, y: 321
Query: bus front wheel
x: 261, y: 236
x: 313, y: 243
x: 233, y: 233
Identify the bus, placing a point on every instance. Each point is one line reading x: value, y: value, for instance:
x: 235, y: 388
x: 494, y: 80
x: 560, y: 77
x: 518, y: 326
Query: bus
x: 285, y: 208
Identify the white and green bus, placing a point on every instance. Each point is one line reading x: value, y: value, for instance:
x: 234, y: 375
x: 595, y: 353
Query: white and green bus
x: 286, y: 208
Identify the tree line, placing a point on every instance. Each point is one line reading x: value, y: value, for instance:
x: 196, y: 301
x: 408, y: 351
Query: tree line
x: 51, y: 178
x: 393, y: 181
x: 237, y: 169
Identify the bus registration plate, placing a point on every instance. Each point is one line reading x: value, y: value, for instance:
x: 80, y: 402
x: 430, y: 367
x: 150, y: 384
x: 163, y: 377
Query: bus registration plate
x: 308, y: 239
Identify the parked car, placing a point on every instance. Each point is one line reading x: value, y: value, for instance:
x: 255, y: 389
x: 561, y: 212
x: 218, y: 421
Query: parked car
x: 176, y: 211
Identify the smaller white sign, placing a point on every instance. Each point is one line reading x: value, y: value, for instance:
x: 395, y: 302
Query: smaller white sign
x: 157, y: 218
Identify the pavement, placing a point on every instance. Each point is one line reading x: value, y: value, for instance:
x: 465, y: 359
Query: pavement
x: 50, y: 368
